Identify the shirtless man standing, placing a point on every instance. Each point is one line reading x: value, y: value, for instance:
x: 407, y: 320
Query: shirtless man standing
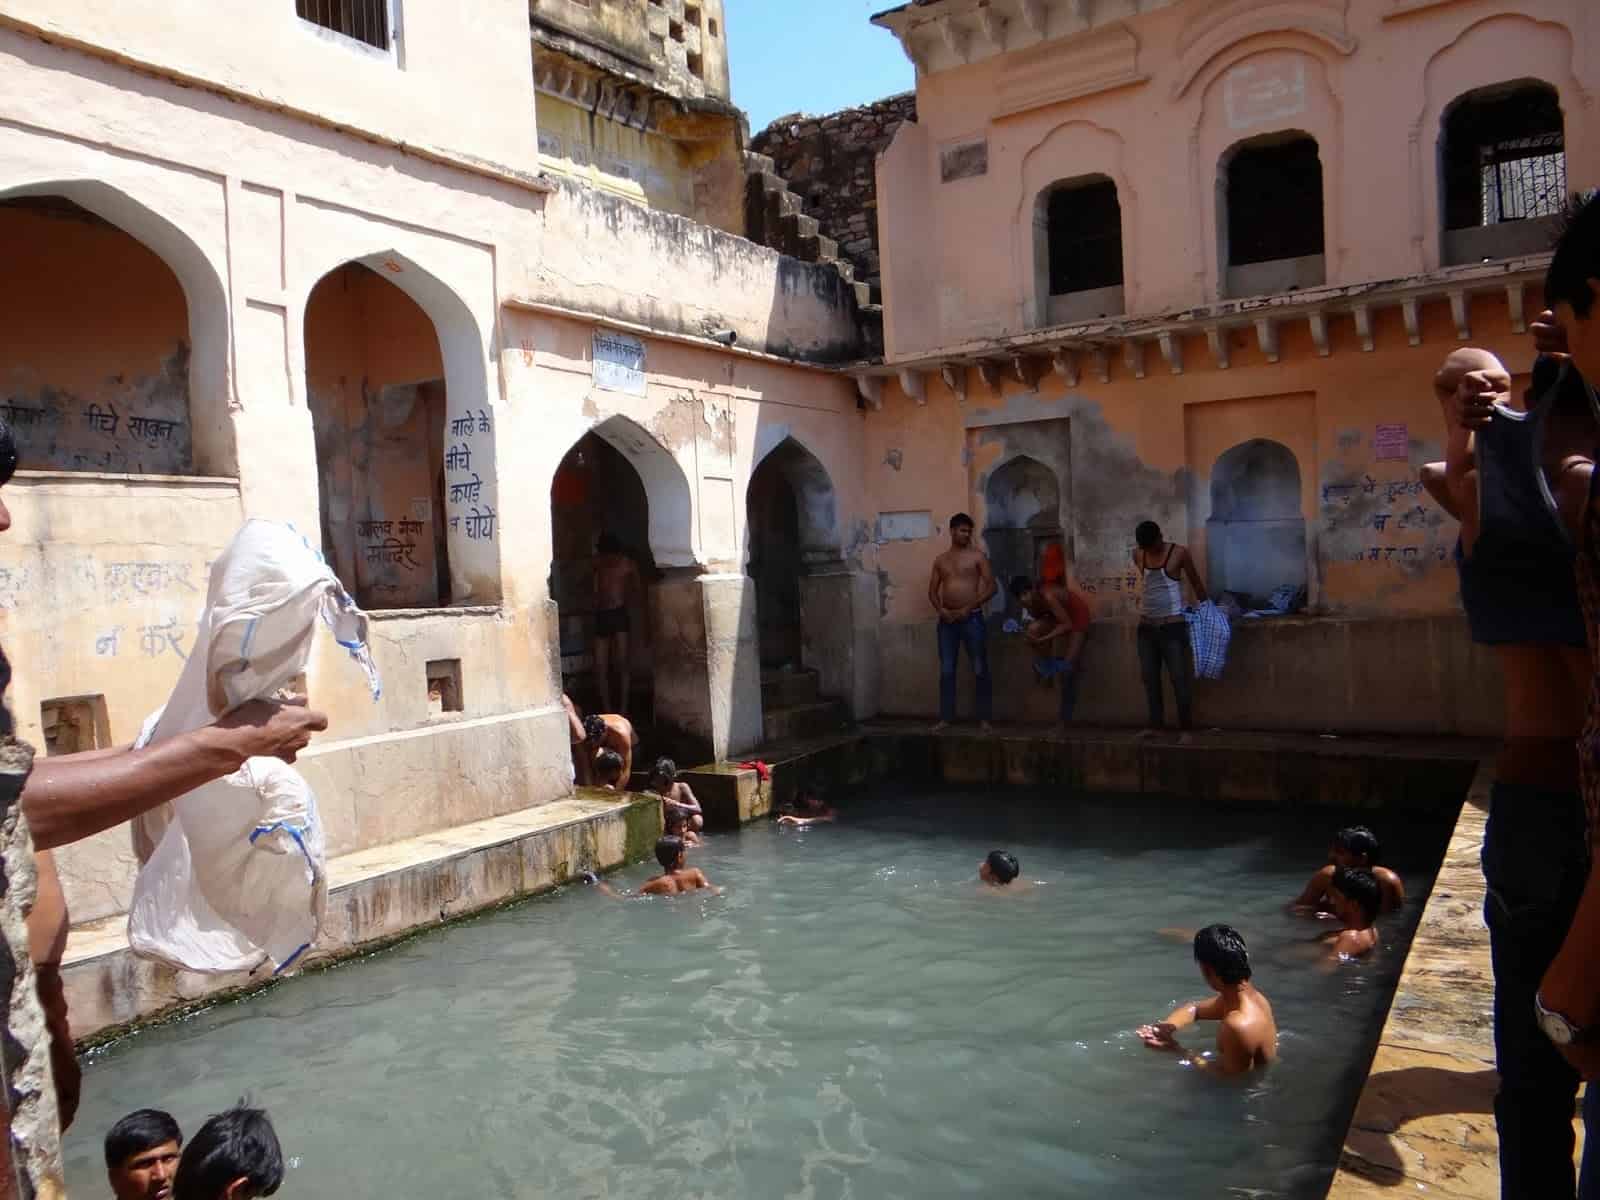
x: 616, y: 578
x: 961, y: 584
x: 1247, y: 1036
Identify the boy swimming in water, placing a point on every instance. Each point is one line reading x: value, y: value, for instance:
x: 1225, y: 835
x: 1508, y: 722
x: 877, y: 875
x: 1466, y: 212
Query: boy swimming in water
x: 1356, y: 899
x: 811, y: 808
x: 999, y: 869
x: 674, y: 877
x: 675, y: 823
x: 1247, y: 1034
x: 1356, y: 846
x: 675, y: 794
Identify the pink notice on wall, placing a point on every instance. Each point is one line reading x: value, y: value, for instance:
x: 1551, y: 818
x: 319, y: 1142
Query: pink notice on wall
x: 1391, y: 442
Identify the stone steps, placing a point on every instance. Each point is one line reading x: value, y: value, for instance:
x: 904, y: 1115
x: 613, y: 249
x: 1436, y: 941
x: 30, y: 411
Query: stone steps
x: 775, y: 217
x: 375, y: 896
x: 781, y: 688
x: 802, y: 720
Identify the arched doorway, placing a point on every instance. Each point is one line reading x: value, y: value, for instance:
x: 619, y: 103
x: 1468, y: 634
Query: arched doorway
x: 791, y: 531
x: 1023, y: 501
x: 597, y: 492
x: 114, y: 355
x: 1256, y: 533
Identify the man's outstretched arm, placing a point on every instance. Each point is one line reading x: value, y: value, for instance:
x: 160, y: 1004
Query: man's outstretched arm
x: 74, y: 796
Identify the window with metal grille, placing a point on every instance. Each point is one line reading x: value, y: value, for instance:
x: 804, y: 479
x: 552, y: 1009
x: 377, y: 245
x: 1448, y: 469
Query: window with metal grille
x: 1274, y: 201
x: 1084, y: 223
x: 364, y: 20
x: 1524, y: 178
x: 1503, y: 156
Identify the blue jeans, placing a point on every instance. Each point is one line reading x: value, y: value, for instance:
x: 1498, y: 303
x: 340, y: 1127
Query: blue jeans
x: 1167, y: 645
x: 972, y: 634
x: 1068, y: 677
x: 1535, y: 861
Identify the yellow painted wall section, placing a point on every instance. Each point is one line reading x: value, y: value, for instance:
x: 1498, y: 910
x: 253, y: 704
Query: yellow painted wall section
x: 630, y: 162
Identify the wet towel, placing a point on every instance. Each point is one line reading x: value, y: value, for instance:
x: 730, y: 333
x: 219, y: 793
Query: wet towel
x: 234, y: 871
x: 1209, y: 634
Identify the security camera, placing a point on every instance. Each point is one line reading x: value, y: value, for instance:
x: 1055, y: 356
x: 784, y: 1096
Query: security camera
x: 725, y: 337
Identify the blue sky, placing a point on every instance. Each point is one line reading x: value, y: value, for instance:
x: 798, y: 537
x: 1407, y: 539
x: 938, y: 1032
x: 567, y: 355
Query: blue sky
x: 810, y: 56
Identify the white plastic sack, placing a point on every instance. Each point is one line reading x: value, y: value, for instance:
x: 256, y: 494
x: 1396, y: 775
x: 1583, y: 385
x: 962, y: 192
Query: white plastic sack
x: 234, y: 872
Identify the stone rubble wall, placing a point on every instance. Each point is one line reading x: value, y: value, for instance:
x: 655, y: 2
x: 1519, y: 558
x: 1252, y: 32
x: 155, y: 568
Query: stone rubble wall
x: 829, y: 162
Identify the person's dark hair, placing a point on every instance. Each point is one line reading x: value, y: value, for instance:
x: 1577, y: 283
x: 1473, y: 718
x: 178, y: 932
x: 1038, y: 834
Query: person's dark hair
x: 239, y: 1143
x: 8, y: 453
x: 1360, y: 886
x: 1222, y: 948
x: 668, y: 851
x: 1003, y: 865
x: 141, y: 1130
x: 608, y: 765
x: 1577, y: 256
x: 608, y: 544
x: 1147, y: 534
x: 593, y: 728
x: 1360, y: 841
x: 960, y: 520
x: 674, y: 821
x: 1021, y: 585
x: 665, y: 769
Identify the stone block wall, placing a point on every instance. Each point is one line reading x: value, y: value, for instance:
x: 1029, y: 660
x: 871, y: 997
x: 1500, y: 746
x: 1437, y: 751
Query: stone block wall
x: 829, y: 162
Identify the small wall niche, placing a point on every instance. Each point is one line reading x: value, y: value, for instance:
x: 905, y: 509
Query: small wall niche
x: 75, y: 723
x: 444, y: 686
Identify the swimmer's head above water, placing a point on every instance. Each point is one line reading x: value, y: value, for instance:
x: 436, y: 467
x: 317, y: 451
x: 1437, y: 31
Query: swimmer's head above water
x: 1224, y: 960
x: 1000, y: 868
x: 608, y: 768
x: 1357, y: 897
x: 1356, y: 846
x: 669, y: 853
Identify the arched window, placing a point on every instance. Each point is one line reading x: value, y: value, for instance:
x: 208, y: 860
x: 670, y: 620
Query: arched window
x: 1256, y: 534
x: 1271, y: 215
x: 1503, y: 169
x: 1023, y: 500
x: 1078, y: 251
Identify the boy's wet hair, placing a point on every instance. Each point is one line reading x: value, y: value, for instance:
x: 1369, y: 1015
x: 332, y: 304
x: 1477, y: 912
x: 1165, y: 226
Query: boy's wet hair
x: 1222, y: 948
x: 593, y: 728
x: 141, y: 1130
x: 1360, y: 886
x: 608, y: 765
x: 1147, y: 534
x: 669, y: 850
x: 1577, y: 256
x: 1003, y: 865
x: 239, y: 1143
x: 674, y: 820
x: 1021, y: 585
x: 961, y: 520
x: 665, y: 769
x: 1360, y: 841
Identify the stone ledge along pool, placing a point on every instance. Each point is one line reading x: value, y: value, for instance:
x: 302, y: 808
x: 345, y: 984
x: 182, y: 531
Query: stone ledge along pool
x: 854, y: 1016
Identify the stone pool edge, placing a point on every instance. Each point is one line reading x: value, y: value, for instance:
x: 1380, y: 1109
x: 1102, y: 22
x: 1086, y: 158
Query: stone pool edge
x: 376, y: 898
x: 1425, y: 1117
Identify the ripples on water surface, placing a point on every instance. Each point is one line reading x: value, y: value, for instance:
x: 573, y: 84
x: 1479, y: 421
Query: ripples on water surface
x: 854, y: 1017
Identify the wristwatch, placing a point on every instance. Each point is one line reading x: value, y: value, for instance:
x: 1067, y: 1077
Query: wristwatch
x: 1558, y: 1029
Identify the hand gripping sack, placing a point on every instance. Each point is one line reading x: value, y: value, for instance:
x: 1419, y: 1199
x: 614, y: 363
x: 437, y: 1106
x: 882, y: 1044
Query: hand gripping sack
x: 234, y: 871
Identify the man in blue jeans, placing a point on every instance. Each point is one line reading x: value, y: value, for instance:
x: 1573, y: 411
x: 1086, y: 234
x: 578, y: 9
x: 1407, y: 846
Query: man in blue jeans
x: 961, y: 584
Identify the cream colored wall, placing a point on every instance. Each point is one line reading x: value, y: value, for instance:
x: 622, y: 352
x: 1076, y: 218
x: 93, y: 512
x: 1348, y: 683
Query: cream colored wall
x: 461, y: 80
x: 632, y: 163
x: 1370, y: 81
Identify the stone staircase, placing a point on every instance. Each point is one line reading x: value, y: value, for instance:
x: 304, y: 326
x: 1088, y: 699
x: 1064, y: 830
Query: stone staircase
x: 792, y: 707
x: 775, y: 217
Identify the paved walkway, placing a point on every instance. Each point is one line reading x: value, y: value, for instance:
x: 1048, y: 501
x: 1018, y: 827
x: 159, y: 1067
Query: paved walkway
x: 1425, y: 1122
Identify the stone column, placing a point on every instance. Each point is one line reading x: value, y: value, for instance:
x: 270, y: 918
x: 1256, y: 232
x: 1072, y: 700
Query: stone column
x: 839, y: 635
x: 707, y: 660
x: 32, y: 1170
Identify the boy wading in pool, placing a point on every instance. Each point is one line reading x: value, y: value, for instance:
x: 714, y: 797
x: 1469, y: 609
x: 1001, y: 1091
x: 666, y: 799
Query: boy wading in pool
x: 1356, y: 846
x: 961, y: 584
x: 1356, y: 899
x: 1247, y: 1035
x: 999, y: 869
x: 674, y: 877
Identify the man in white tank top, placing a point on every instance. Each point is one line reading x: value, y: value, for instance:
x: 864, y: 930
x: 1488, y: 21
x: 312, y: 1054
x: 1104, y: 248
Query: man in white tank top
x: 1163, y: 633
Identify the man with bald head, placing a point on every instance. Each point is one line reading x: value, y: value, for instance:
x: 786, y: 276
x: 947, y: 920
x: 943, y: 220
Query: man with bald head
x: 1504, y: 461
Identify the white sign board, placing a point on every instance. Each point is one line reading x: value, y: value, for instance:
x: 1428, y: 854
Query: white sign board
x: 618, y: 362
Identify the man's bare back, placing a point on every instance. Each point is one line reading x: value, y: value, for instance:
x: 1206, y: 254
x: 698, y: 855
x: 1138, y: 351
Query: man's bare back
x: 684, y: 879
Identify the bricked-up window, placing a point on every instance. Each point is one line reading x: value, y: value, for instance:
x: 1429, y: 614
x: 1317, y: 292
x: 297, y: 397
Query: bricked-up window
x: 1274, y: 200
x: 1084, y: 225
x: 1503, y: 156
x: 364, y: 20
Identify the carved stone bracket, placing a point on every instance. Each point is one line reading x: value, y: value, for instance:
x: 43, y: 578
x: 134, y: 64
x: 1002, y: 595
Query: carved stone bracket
x: 915, y: 384
x: 1172, y: 351
x: 1102, y: 363
x: 1319, y: 333
x: 1217, y: 341
x: 1515, y: 306
x: 1363, y: 316
x: 955, y: 378
x: 1411, y: 312
x: 1267, y: 337
x: 1459, y: 314
x: 1065, y: 364
x: 989, y: 372
x: 1027, y: 370
x: 871, y: 389
x: 1133, y: 355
